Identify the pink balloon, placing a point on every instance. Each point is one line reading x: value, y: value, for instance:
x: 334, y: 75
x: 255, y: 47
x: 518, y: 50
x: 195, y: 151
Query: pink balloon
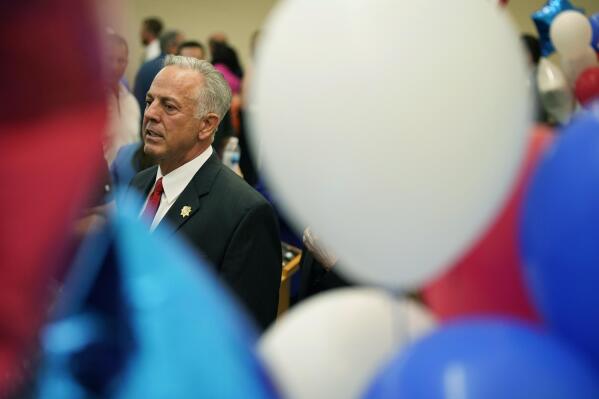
x: 52, y: 117
x: 488, y: 279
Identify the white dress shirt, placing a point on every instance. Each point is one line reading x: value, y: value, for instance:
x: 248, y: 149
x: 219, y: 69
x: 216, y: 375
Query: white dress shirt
x: 123, y: 122
x: 152, y: 50
x: 174, y: 183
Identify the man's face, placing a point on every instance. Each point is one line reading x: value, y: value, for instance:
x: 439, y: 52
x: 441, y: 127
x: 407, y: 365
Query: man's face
x: 172, y: 48
x: 171, y: 126
x: 145, y: 35
x: 117, y: 61
x: 194, y: 52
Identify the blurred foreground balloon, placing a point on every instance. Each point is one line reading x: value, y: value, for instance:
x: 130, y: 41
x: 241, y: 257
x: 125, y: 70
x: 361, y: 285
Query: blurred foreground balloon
x: 489, y: 280
x: 487, y: 359
x: 554, y: 91
x: 399, y: 164
x: 544, y: 18
x: 142, y: 317
x: 560, y: 235
x: 587, y: 86
x: 333, y: 344
x: 51, y: 122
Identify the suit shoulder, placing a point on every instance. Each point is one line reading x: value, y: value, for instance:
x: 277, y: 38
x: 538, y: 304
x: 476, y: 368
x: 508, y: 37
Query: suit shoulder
x: 151, y: 65
x: 141, y: 178
x: 238, y: 189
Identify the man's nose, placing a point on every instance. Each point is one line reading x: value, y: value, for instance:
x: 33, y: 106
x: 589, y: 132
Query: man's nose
x: 152, y: 111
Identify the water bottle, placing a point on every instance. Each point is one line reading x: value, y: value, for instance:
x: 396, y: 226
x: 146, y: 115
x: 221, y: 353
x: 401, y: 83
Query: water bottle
x: 232, y: 153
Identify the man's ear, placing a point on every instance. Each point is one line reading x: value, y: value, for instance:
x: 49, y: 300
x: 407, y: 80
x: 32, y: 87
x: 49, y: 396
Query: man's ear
x: 208, y: 126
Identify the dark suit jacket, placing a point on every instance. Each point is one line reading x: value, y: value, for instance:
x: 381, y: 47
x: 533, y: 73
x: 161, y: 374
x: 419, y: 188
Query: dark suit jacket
x: 234, y: 227
x: 315, y: 278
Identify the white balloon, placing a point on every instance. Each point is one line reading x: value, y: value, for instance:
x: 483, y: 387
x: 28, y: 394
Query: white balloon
x: 554, y: 91
x: 573, y: 66
x: 571, y: 33
x: 332, y: 345
x: 393, y: 128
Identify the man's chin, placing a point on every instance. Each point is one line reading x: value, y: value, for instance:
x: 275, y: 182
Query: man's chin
x: 151, y: 150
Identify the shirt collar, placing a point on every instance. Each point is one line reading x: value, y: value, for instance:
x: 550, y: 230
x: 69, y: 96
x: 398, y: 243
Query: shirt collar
x: 154, y: 45
x: 175, y: 182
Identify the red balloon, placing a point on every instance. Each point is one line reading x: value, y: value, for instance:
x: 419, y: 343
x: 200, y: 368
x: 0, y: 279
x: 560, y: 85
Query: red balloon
x: 488, y: 279
x: 587, y: 86
x: 52, y: 117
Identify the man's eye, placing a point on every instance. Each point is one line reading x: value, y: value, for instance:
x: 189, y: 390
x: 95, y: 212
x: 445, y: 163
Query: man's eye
x: 169, y: 107
x: 148, y: 102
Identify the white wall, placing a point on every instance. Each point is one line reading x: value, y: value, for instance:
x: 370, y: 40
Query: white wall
x: 197, y: 19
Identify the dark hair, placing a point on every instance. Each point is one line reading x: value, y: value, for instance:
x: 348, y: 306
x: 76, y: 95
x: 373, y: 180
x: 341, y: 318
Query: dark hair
x: 153, y: 25
x: 190, y: 43
x: 532, y: 46
x: 223, y: 54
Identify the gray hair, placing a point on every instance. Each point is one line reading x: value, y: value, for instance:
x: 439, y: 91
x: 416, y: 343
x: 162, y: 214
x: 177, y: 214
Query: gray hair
x: 168, y: 40
x: 215, y: 94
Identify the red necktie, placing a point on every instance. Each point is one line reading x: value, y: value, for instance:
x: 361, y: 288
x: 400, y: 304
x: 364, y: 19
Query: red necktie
x: 154, y: 201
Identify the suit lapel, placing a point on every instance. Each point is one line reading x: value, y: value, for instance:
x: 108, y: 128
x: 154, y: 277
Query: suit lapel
x: 189, y: 202
x: 144, y: 184
x: 148, y: 185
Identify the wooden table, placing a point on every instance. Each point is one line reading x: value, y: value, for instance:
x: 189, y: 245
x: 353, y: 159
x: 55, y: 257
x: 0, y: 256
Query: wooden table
x: 289, y: 269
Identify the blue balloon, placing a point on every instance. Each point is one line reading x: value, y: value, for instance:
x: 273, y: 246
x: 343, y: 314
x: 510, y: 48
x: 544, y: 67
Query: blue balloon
x: 486, y: 359
x: 543, y: 19
x: 595, y: 25
x: 560, y: 235
x: 143, y: 317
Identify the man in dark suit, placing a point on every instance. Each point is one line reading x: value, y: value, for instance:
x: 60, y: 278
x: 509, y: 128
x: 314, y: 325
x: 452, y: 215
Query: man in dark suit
x: 230, y: 223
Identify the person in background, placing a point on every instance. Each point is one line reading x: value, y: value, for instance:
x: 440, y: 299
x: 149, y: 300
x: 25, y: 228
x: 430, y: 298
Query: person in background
x: 192, y: 49
x: 221, y: 38
x: 316, y: 267
x: 169, y: 43
x: 225, y: 60
x: 151, y: 28
x: 218, y: 37
x: 195, y: 196
x: 123, y: 110
x: 129, y: 161
x: 247, y: 161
